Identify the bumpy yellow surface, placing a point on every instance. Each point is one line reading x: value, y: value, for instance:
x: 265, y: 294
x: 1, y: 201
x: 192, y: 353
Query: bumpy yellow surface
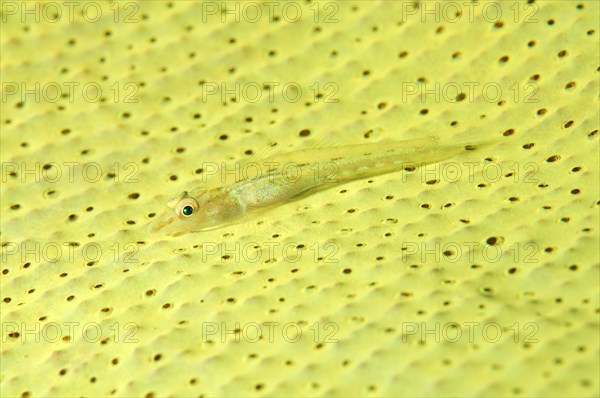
x: 476, y: 277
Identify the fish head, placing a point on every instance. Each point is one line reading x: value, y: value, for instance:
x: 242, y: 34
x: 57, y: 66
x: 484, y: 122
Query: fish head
x: 185, y: 213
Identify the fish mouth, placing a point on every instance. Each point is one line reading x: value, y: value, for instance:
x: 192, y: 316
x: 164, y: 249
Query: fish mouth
x: 160, y: 223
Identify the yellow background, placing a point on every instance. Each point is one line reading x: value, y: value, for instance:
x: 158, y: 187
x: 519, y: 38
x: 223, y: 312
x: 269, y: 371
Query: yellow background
x: 483, y: 285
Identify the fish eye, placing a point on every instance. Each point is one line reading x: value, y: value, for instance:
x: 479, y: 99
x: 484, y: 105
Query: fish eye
x: 186, y: 207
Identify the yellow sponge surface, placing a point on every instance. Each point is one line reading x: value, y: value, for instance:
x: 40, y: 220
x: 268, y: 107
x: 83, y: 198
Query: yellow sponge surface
x: 476, y: 276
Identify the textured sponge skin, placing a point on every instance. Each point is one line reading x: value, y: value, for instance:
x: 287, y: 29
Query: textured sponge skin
x: 477, y: 276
